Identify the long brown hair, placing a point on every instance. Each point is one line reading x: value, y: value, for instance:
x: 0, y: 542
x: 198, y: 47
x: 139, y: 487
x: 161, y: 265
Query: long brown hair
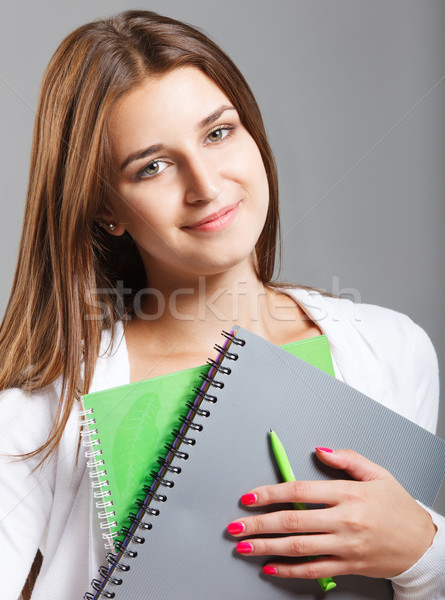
x: 67, y: 266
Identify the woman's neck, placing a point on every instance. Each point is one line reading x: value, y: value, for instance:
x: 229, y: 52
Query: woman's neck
x: 176, y: 326
x: 203, y: 305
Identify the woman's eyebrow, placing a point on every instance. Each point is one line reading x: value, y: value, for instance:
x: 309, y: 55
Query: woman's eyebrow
x: 214, y: 116
x: 144, y: 153
x: 141, y: 154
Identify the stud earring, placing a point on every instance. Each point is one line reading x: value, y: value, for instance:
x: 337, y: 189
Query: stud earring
x: 109, y: 226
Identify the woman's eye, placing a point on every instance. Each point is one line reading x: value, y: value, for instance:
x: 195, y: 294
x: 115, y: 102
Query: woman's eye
x: 153, y: 168
x: 219, y: 134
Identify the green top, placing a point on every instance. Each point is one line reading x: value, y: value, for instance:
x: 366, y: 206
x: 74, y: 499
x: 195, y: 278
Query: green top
x: 134, y: 423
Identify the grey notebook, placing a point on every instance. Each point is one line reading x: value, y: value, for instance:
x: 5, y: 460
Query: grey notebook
x: 179, y: 548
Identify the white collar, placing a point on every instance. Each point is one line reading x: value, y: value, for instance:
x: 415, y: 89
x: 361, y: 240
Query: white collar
x: 338, y: 318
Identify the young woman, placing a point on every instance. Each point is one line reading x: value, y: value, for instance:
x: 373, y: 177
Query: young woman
x: 151, y: 224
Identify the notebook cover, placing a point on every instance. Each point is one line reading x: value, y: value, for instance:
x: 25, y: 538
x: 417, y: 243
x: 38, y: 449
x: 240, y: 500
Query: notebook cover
x: 188, y: 553
x: 134, y: 422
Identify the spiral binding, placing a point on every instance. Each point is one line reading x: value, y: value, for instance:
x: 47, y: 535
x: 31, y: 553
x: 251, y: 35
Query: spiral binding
x: 98, y: 475
x: 160, y: 478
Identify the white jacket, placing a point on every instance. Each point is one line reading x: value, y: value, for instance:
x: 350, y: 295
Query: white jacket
x: 380, y: 352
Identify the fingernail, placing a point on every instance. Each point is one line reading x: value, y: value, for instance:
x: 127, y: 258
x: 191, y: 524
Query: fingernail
x: 324, y: 449
x: 269, y: 570
x: 236, y: 527
x: 248, y: 499
x: 244, y: 548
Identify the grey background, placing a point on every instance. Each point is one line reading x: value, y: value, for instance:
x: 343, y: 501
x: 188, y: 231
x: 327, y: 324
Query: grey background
x: 352, y: 93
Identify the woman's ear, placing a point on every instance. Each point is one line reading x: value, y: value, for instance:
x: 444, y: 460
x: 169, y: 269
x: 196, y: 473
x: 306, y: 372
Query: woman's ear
x: 106, y: 219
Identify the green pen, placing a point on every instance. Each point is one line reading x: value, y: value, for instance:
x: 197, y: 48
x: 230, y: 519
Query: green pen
x: 326, y: 583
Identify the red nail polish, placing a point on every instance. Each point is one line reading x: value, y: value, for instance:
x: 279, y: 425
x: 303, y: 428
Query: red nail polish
x: 248, y: 499
x: 235, y: 527
x: 244, y: 548
x: 324, y: 449
x: 269, y: 570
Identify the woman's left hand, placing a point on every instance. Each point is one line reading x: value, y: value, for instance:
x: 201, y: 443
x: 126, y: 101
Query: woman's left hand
x: 370, y: 526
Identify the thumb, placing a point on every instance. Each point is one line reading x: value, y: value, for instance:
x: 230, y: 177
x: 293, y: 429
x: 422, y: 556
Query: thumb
x: 355, y: 464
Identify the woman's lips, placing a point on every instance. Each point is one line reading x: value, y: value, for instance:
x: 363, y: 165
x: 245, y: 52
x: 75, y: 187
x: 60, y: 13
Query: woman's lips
x: 216, y: 221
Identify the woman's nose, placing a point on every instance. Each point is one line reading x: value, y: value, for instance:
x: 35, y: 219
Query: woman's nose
x: 203, y: 181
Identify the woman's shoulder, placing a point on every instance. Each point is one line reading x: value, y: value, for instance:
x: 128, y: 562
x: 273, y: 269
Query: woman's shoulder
x: 26, y: 418
x: 34, y: 404
x: 380, y: 351
x: 373, y: 322
x: 394, y: 333
x: 42, y: 403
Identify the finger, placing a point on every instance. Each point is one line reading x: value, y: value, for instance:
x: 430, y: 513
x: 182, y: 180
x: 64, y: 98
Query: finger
x: 355, y: 464
x: 293, y: 545
x: 315, y: 492
x: 285, y: 521
x: 319, y: 568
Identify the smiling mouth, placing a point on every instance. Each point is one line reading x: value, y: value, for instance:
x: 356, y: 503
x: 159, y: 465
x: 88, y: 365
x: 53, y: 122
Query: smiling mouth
x: 217, y: 220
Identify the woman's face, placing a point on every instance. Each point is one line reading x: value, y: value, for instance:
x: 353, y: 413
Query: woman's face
x: 189, y: 183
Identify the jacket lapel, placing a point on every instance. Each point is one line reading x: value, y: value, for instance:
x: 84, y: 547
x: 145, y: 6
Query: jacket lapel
x: 346, y: 326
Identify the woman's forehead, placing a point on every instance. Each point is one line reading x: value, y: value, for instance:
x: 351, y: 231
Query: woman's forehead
x: 164, y: 106
x: 185, y: 91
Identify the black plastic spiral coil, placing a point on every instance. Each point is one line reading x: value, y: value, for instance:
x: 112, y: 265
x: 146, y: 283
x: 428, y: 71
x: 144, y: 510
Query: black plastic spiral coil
x: 202, y: 412
x: 218, y: 367
x: 140, y: 523
x: 204, y: 396
x: 210, y: 381
x: 104, y: 572
x: 191, y: 424
x: 183, y: 439
x: 169, y: 467
x: 177, y: 453
x: 137, y: 539
x: 227, y: 354
x: 150, y: 493
x: 111, y: 561
x: 233, y: 339
x: 142, y: 504
x: 159, y: 479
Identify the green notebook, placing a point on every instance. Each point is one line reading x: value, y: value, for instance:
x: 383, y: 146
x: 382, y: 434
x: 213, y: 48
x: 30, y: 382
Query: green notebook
x: 127, y: 429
